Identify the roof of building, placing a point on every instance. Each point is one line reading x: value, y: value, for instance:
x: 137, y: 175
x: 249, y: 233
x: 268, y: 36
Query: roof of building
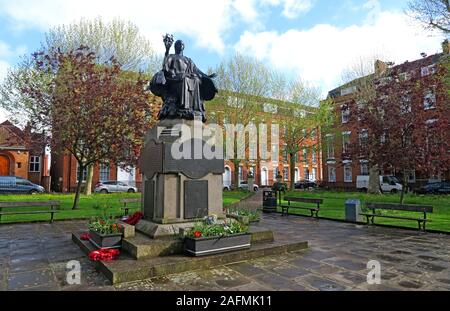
x: 404, y: 67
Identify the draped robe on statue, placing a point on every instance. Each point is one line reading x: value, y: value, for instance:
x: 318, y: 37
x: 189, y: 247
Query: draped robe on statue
x: 183, y: 88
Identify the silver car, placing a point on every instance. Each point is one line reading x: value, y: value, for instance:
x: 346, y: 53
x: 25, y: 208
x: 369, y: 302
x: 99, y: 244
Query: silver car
x: 114, y: 186
x: 244, y: 186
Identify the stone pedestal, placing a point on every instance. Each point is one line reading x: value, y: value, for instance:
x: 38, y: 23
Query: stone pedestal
x: 182, y: 177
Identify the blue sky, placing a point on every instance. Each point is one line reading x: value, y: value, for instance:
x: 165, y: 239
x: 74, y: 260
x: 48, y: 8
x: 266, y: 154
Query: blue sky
x: 312, y: 39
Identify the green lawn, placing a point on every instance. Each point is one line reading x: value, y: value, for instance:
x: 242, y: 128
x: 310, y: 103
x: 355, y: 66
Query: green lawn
x: 89, y: 206
x: 334, y: 207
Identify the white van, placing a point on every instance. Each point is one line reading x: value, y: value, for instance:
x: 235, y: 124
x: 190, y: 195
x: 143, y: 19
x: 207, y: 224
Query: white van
x: 387, y: 183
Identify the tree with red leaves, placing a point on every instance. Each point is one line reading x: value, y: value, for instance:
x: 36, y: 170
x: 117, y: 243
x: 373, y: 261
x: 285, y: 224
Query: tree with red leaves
x: 96, y: 112
x: 406, y: 126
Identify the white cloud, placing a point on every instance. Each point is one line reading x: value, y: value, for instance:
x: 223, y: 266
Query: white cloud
x: 4, y: 66
x: 5, y: 49
x: 319, y: 54
x: 204, y: 20
x: 293, y: 8
x: 3, y: 71
x: 374, y: 10
x: 246, y: 8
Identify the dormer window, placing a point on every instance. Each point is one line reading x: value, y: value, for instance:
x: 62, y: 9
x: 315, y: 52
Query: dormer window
x: 428, y: 70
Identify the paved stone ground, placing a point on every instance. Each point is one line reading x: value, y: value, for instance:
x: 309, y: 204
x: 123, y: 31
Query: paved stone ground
x: 34, y: 257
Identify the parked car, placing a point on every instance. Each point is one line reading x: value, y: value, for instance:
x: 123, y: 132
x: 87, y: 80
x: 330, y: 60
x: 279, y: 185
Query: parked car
x: 226, y: 187
x: 244, y: 186
x: 114, y: 186
x: 305, y: 184
x: 387, y: 183
x: 435, y: 188
x: 18, y: 185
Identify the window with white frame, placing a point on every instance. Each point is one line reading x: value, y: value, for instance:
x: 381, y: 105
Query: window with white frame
x: 35, y: 164
x: 428, y: 70
x: 306, y: 173
x: 305, y: 154
x: 345, y: 114
x: 330, y: 147
x: 104, y: 172
x: 313, y: 134
x: 286, y: 173
x: 275, y: 173
x: 383, y: 137
x: 348, y: 90
x: 405, y: 104
x: 347, y: 173
x: 314, y: 155
x: 314, y: 174
x: 363, y: 138
x: 411, y: 176
x: 331, y: 174
x: 285, y: 153
x: 361, y: 106
x: 270, y: 108
x: 346, y: 142
x: 429, y: 100
x: 364, y: 168
x: 84, y: 174
x: 275, y: 150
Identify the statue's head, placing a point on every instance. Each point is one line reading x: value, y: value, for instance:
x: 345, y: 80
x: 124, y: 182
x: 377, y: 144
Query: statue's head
x: 179, y: 46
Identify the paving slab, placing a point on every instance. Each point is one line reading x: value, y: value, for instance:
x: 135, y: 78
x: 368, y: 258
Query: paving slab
x: 34, y: 257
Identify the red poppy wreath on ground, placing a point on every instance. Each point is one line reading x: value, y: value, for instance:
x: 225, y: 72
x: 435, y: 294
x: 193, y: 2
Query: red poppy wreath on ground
x: 104, y: 254
x: 133, y: 220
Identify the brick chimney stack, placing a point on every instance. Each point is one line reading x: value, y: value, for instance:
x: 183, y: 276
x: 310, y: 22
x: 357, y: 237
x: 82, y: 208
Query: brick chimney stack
x: 446, y: 47
x: 380, y: 67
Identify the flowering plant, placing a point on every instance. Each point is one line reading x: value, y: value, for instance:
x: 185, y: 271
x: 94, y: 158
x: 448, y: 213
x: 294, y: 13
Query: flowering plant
x: 252, y: 215
x: 208, y: 229
x: 104, y: 225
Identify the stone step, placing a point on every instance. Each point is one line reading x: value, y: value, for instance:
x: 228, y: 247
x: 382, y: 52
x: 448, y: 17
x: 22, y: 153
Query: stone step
x: 128, y: 269
x: 141, y: 246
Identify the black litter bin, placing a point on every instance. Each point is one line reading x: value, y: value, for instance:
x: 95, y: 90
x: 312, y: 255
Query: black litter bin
x: 269, y: 201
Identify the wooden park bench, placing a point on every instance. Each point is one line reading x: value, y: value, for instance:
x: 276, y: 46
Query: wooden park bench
x: 313, y: 209
x: 15, y: 205
x: 398, y: 207
x: 127, y: 201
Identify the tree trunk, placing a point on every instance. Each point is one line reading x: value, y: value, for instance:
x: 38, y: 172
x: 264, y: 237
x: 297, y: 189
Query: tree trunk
x: 374, y: 180
x: 404, y: 185
x: 292, y: 170
x: 80, y: 181
x: 90, y: 174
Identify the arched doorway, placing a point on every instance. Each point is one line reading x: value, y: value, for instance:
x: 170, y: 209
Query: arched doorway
x: 227, y: 177
x: 264, y: 177
x: 5, y: 167
x: 297, y: 175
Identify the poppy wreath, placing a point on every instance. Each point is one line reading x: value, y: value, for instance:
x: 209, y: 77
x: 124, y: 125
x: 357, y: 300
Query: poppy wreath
x: 85, y: 236
x: 104, y: 254
x: 134, y: 219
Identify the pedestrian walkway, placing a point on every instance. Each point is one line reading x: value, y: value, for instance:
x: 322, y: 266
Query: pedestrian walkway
x: 35, y: 257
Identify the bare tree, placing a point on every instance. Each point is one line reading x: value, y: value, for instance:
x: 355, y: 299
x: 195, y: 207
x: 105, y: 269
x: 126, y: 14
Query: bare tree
x: 243, y: 81
x: 361, y: 75
x: 432, y: 14
x: 119, y: 39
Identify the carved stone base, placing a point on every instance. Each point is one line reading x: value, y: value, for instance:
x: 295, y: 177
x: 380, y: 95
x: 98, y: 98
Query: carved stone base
x: 155, y: 230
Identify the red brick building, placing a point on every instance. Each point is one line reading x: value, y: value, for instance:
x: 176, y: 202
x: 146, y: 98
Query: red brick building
x: 341, y: 171
x: 22, y: 154
x: 64, y: 172
x: 308, y: 161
